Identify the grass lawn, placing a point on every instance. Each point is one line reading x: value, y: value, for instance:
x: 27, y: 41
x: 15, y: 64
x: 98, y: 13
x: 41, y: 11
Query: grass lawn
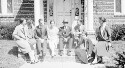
x: 8, y: 55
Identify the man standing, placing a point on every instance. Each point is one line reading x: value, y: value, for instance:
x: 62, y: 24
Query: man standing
x: 65, y: 36
x: 41, y: 36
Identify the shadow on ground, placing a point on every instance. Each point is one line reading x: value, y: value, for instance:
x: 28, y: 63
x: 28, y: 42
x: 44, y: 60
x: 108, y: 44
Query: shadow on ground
x: 14, y: 51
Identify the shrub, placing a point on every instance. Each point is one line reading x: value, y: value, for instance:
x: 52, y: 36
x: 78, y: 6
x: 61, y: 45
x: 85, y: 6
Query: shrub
x: 7, y: 30
x: 118, y: 32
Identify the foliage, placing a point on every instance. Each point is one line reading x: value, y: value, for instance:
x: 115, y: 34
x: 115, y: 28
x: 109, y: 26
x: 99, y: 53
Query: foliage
x: 118, y: 32
x: 119, y: 53
x: 120, y: 59
x: 7, y: 30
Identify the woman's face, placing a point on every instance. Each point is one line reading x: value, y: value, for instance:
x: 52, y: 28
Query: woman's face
x: 52, y: 23
x: 100, y: 21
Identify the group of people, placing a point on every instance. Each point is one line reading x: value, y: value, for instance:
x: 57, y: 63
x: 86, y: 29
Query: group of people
x: 35, y: 40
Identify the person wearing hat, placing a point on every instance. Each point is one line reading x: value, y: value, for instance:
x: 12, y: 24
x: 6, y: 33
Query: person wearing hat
x: 65, y: 36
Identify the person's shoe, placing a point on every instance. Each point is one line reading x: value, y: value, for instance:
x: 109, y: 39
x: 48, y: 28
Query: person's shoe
x: 32, y: 62
x: 68, y: 53
x: 61, y: 53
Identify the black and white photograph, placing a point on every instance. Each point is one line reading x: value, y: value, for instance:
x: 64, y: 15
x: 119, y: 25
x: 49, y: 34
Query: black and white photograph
x: 62, y: 33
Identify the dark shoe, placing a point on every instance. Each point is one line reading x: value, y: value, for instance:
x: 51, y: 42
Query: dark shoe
x: 68, y: 53
x: 60, y: 53
x: 52, y: 56
x: 32, y: 62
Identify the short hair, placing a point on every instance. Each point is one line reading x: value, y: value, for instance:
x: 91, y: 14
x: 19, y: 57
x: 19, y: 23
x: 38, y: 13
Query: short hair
x: 21, y: 20
x: 102, y: 18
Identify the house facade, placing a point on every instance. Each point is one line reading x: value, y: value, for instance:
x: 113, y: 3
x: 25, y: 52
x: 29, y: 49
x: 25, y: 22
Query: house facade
x: 58, y: 10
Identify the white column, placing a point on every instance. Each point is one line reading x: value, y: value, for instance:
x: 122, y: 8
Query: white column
x: 38, y: 10
x: 4, y: 7
x: 90, y: 16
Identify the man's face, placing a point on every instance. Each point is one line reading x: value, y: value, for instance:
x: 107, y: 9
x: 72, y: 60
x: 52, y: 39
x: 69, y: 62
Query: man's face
x: 41, y: 22
x: 76, y: 18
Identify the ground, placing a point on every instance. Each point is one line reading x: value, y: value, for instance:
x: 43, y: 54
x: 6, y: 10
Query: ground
x: 8, y: 57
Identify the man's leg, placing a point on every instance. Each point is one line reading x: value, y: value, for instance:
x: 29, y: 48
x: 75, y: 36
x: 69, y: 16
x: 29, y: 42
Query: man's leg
x: 44, y: 47
x: 39, y: 47
x: 61, y: 40
x: 70, y: 46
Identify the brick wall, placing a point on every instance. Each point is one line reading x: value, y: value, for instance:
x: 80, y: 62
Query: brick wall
x: 21, y: 8
x: 105, y: 8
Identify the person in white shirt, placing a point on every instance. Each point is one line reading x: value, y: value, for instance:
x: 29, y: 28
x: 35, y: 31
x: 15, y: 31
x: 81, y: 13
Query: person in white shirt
x: 53, y: 39
x: 75, y: 22
x: 20, y: 36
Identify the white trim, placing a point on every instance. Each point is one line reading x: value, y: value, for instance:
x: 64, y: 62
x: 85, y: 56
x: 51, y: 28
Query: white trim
x: 4, y: 8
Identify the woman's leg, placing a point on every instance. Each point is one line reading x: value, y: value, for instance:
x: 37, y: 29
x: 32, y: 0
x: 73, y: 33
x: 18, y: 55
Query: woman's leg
x: 52, y: 47
x: 25, y: 47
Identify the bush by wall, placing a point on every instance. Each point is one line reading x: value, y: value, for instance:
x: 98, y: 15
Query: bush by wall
x: 118, y: 32
x: 7, y: 30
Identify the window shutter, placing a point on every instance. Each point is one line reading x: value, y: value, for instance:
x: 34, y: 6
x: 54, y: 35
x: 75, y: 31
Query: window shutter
x: 0, y: 7
x: 118, y: 6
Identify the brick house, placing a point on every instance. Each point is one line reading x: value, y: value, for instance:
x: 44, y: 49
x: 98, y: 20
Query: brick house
x: 57, y: 10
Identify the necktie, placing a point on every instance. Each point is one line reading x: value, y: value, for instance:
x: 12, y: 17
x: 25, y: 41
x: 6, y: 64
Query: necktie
x: 23, y: 31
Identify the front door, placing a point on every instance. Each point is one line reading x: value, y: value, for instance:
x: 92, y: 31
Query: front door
x: 63, y: 11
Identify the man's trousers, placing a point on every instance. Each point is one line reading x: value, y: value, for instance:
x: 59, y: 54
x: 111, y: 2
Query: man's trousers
x: 62, y: 42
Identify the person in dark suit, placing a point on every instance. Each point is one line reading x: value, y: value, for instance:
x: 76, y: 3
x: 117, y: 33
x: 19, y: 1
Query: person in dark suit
x: 65, y: 36
x: 41, y: 37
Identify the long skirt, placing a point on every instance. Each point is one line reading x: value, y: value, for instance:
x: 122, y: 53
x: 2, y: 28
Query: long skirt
x: 81, y: 55
x: 24, y: 46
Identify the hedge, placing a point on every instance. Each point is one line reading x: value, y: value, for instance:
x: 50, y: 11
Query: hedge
x: 7, y: 30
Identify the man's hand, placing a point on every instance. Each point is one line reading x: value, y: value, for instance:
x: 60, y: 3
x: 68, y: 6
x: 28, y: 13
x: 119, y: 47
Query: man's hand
x: 66, y: 39
x: 42, y: 40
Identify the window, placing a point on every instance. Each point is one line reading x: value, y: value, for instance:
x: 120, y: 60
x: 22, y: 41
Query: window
x: 6, y: 7
x: 119, y: 7
x: 0, y: 7
x: 9, y: 6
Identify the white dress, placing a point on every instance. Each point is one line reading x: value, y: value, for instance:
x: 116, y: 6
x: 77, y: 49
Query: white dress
x: 53, y: 38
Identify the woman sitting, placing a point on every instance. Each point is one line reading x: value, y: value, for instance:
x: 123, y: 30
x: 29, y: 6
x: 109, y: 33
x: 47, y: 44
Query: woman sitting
x: 20, y: 35
x: 53, y: 38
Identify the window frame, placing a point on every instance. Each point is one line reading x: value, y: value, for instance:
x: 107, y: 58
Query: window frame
x: 122, y: 6
x: 5, y: 10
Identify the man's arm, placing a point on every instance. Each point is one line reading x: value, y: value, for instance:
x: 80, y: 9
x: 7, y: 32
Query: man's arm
x: 15, y: 34
x: 46, y: 33
x: 35, y: 34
